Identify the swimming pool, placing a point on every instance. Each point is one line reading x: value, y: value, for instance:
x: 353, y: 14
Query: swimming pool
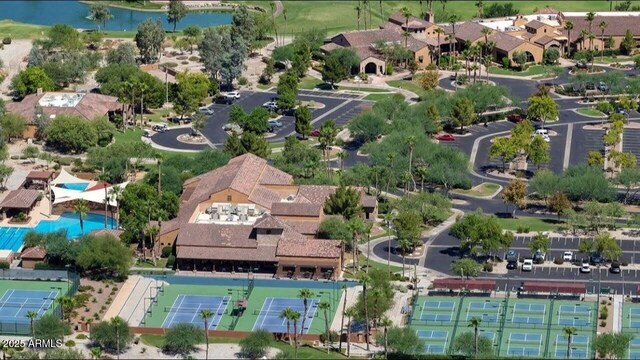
x: 12, y: 238
x: 75, y: 186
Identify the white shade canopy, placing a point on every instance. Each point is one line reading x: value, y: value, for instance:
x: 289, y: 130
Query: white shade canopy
x: 65, y: 178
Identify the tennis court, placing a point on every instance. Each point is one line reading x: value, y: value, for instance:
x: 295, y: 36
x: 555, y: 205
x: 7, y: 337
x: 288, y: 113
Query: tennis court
x: 524, y: 344
x: 528, y: 313
x: 631, y: 324
x: 187, y: 309
x: 634, y: 349
x: 269, y: 315
x: 434, y: 318
x: 574, y: 315
x: 634, y: 318
x: 579, y: 346
x: 436, y: 310
x: 15, y: 304
x: 435, y: 341
x: 488, y: 311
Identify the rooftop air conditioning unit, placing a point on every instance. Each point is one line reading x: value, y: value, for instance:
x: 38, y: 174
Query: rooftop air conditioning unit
x: 540, y: 17
x: 291, y: 197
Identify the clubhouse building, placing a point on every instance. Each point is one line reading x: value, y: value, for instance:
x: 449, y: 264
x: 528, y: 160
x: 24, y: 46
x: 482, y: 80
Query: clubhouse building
x: 248, y: 216
x: 528, y: 34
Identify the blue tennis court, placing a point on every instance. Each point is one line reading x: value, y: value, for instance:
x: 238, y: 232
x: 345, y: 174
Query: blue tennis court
x: 435, y: 340
x: 15, y: 304
x: 634, y: 318
x: 518, y: 319
x: 437, y: 310
x: 187, y: 308
x: 269, y: 315
x: 438, y: 305
x: 524, y: 313
x: 634, y: 349
x: 487, y: 311
x: 538, y: 308
x: 524, y: 344
x: 485, y: 305
x: 579, y: 346
x: 572, y: 321
x: 489, y: 335
x: 574, y: 310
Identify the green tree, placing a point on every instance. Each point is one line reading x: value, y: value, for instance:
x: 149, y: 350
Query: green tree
x: 408, y: 227
x: 540, y: 242
x: 222, y: 54
x: 466, y: 344
x: 71, y: 134
x: 205, y: 315
x: 149, y: 39
x: 182, y: 338
x: 515, y: 193
x: 569, y: 331
x: 542, y: 107
x: 29, y: 80
x: 111, y: 335
x: 629, y: 178
x: 287, y: 314
x: 191, y: 90
x: 628, y: 43
x: 103, y: 257
x: 12, y: 126
x: 32, y: 315
x: 303, y: 121
x: 100, y: 14
x: 125, y: 53
x: 256, y: 345
x: 344, y: 201
x: 50, y: 327
x: 255, y: 144
x: 607, y: 246
x: 538, y: 151
x: 612, y: 345
x: 466, y: 268
x: 581, y: 183
x: 559, y: 203
x: 595, y: 158
x: 81, y: 207
x: 544, y: 183
x: 404, y: 341
x: 325, y: 306
x: 177, y: 11
x: 476, y: 230
x: 338, y: 64
x: 193, y: 33
x: 519, y: 58
x: 198, y: 122
x: 31, y: 152
x: 462, y: 113
x: 305, y: 295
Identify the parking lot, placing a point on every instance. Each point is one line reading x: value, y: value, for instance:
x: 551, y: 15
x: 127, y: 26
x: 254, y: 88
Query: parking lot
x: 340, y: 107
x: 631, y: 142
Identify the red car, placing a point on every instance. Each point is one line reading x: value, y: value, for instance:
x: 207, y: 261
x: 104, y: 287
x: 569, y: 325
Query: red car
x: 445, y: 137
x: 315, y: 132
x: 516, y: 118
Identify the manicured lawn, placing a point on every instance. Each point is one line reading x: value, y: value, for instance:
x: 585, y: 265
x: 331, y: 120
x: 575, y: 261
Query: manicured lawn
x: 588, y: 111
x: 136, y: 135
x: 160, y: 264
x: 611, y: 59
x: 377, y: 97
x: 141, y: 5
x: 484, y: 189
x: 534, y: 224
x: 373, y: 265
x: 531, y: 70
x: 309, y: 83
x: 362, y: 89
x: 16, y: 30
x: 407, y: 85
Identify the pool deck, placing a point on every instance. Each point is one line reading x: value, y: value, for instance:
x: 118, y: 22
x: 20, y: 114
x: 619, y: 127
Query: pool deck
x: 39, y: 212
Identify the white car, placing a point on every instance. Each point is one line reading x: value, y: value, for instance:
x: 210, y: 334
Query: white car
x: 567, y: 256
x: 546, y: 138
x: 542, y: 131
x: 271, y: 106
x: 232, y: 95
x: 527, y: 265
x: 585, y: 268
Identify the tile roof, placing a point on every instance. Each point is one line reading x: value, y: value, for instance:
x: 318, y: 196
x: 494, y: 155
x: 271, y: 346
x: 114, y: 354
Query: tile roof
x: 295, y: 209
x: 316, y: 194
x: 466, y: 31
x: 505, y: 42
x: 267, y: 222
x: 535, y: 24
x: 547, y: 10
x: 303, y: 226
x: 40, y: 175
x: 310, y: 248
x: 216, y: 235
x: 414, y: 22
x: 34, y: 253
x: 367, y: 37
x: 368, y: 201
x: 20, y: 199
x: 329, y: 47
x: 617, y: 25
x: 262, y: 253
x: 89, y: 107
x: 544, y: 40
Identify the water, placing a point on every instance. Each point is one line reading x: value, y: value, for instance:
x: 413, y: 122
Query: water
x: 75, y: 14
x: 12, y: 238
x: 75, y: 186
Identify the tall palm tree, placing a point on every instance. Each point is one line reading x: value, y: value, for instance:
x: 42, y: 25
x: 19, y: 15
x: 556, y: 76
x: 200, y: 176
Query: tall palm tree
x: 272, y: 6
x: 117, y: 322
x: 407, y: 14
x: 81, y: 208
x: 388, y: 218
x: 344, y: 307
x: 357, y: 228
x: 603, y: 25
x: 486, y: 32
x: 115, y: 194
x: 142, y: 87
x: 284, y: 15
x: 385, y: 322
x: 405, y: 246
x: 584, y: 34
x: 305, y: 295
x: 350, y: 313
x: 590, y: 17
x: 411, y: 144
x: 422, y: 172
x: 568, y: 26
x: 295, y: 316
x: 475, y: 323
x: 324, y: 306
x: 480, y: 7
x: 342, y: 155
x: 32, y: 315
x: 452, y: 21
x: 287, y: 314
x: 569, y: 331
x: 205, y: 314
x: 364, y: 280
x: 358, y: 11
x: 439, y: 31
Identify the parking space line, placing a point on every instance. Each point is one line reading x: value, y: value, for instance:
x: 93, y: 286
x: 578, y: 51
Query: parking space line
x: 567, y: 147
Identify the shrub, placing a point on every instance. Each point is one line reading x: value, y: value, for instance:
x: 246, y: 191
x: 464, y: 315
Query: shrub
x: 169, y: 64
x: 171, y: 260
x: 522, y: 229
x: 256, y: 345
x: 558, y: 261
x: 604, y: 313
x: 389, y: 69
x: 603, y: 323
x: 242, y: 81
x: 4, y: 265
x: 21, y: 217
x: 166, y: 251
x: 488, y: 267
x: 182, y: 57
x: 505, y: 62
x: 194, y: 58
x: 81, y: 336
x: 333, y: 336
x: 6, y: 41
x: 184, y: 62
x: 624, y: 262
x: 83, y: 288
x: 100, y: 291
x: 70, y: 343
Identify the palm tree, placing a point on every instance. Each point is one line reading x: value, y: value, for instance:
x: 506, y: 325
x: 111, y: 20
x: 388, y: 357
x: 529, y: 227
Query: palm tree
x: 66, y: 305
x: 422, y: 171
x: 569, y: 331
x: 96, y: 352
x: 475, y: 323
x: 480, y: 7
x: 486, y: 32
x: 305, y: 295
x: 364, y: 279
x: 287, y: 314
x: 358, y: 11
x: 117, y: 322
x: 411, y: 144
x: 295, y: 316
x: 385, y: 322
x: 452, y: 21
x: 205, y: 314
x: 592, y: 36
x: 584, y: 33
x: 32, y: 315
x: 324, y: 306
x: 407, y: 14
x: 439, y: 31
x: 568, y: 26
x: 142, y: 87
x: 272, y: 6
x: 100, y: 14
x: 344, y: 307
x: 350, y: 313
x: 603, y: 25
x: 81, y: 208
x: 284, y: 15
x: 357, y: 228
x: 590, y: 17
x: 342, y: 155
x: 115, y: 194
x: 405, y: 246
x: 487, y: 63
x: 388, y: 218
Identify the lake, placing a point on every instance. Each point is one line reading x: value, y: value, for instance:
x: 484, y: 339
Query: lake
x: 75, y: 14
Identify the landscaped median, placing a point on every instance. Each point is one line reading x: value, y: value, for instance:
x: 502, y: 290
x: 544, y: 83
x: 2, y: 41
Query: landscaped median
x: 530, y: 71
x: 590, y: 112
x: 529, y: 224
x: 484, y: 190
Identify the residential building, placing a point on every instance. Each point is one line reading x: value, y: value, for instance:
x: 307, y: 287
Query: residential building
x: 250, y: 216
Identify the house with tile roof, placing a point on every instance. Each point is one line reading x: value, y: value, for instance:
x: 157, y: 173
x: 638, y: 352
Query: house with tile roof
x: 250, y: 216
x: 85, y: 105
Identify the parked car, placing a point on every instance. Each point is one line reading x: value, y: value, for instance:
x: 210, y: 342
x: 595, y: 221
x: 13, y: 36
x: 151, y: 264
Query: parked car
x: 527, y: 265
x: 567, y: 256
x: 585, y: 268
x: 445, y: 137
x: 615, y: 268
x: 232, y: 127
x: 603, y: 87
x: 232, y: 95
x: 539, y: 256
x: 160, y: 128
x: 274, y: 123
x: 271, y: 106
x: 596, y: 259
x: 541, y: 131
x: 206, y: 110
x: 314, y: 132
x: 511, y: 256
x: 546, y: 138
x: 512, y: 265
x: 590, y: 86
x: 581, y: 65
x: 516, y: 118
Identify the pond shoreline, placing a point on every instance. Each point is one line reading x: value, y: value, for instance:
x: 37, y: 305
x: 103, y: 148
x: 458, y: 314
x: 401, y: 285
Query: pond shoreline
x: 222, y: 8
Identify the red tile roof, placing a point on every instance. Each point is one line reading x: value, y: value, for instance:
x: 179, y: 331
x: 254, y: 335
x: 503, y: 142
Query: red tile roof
x: 466, y: 31
x: 547, y: 10
x: 617, y: 25
x: 263, y: 253
x: 309, y: 248
x: 40, y: 175
x: 505, y: 42
x: 20, y: 199
x: 34, y: 253
x: 304, y: 226
x: 295, y: 209
x: 535, y: 24
x: 413, y: 22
